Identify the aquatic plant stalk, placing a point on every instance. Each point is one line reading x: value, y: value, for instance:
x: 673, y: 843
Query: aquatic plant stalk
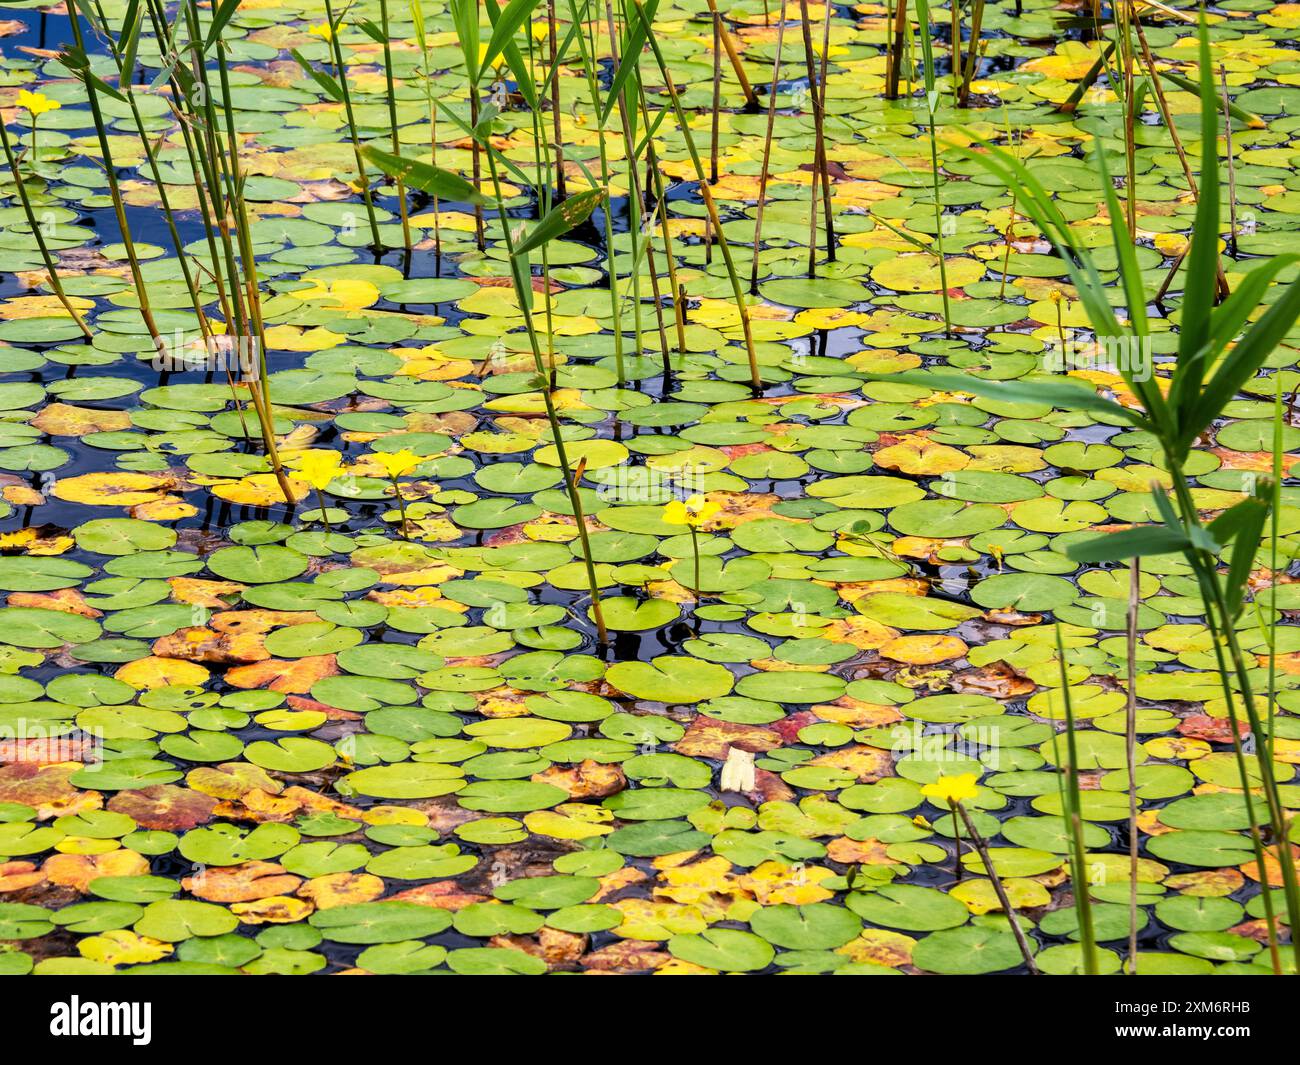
x: 392, y: 118
x: 79, y: 64
x: 895, y: 52
x: 1163, y: 104
x: 767, y: 152
x: 563, y: 218
x: 401, y: 507
x: 38, y: 234
x: 219, y: 182
x: 426, y: 77
x: 931, y: 99
x: 750, y: 99
x: 741, y: 308
x: 555, y: 99
x: 661, y: 197
x: 123, y: 51
x: 982, y: 849
x: 1130, y: 754
x: 587, y: 53
x: 1074, y: 823
x: 1232, y: 165
x: 821, y: 168
x: 523, y: 291
x: 973, y: 54
x: 237, y: 218
x: 1219, y: 349
x: 340, y: 70
x: 620, y: 97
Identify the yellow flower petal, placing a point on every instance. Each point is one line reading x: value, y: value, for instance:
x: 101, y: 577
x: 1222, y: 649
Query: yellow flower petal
x: 319, y: 468
x: 396, y: 463
x: 952, y: 789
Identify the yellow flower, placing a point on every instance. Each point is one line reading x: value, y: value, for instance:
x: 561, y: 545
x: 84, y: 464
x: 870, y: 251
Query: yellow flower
x: 319, y: 468
x: 952, y: 789
x: 37, y: 102
x: 694, y: 512
x: 324, y: 31
x: 396, y: 463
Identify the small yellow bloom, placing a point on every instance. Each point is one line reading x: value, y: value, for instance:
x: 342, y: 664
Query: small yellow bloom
x: 37, y: 102
x: 952, y: 789
x: 396, y: 463
x: 324, y: 31
x: 695, y: 511
x: 319, y: 468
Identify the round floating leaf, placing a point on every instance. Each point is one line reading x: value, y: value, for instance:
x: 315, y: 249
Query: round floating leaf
x: 968, y: 951
x: 671, y: 680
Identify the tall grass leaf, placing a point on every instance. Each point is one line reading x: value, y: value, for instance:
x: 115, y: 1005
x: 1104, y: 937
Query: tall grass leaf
x: 1038, y: 205
x: 1249, y: 118
x: 1130, y: 273
x: 102, y: 86
x: 221, y: 15
x: 1229, y: 317
x: 633, y: 41
x: 332, y: 88
x: 561, y: 218
x: 1202, y: 269
x: 431, y: 179
x: 501, y: 41
x: 505, y: 23
x: 927, y: 51
x: 644, y: 142
x: 1142, y: 386
x: 87, y: 11
x: 1054, y: 393
x: 464, y: 16
x: 505, y: 161
x: 1085, y: 83
x: 129, y: 40
x: 1241, y: 363
x: 1167, y: 513
x: 1247, y: 520
x: 1128, y: 543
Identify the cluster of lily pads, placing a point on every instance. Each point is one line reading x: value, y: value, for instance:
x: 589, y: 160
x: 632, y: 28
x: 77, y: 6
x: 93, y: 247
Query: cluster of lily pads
x: 237, y: 735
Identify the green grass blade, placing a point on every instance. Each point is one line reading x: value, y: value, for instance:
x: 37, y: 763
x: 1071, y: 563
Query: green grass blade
x: 1202, y: 267
x: 1241, y: 364
x: 1128, y: 543
x: 560, y: 219
x: 1056, y: 393
x: 431, y: 179
x: 1228, y: 319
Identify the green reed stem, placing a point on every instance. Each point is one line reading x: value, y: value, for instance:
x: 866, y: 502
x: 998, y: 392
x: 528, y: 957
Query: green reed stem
x: 523, y: 291
x: 1074, y: 823
x: 336, y: 50
x: 392, y: 121
x: 110, y: 173
x: 39, y: 234
x: 707, y: 195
